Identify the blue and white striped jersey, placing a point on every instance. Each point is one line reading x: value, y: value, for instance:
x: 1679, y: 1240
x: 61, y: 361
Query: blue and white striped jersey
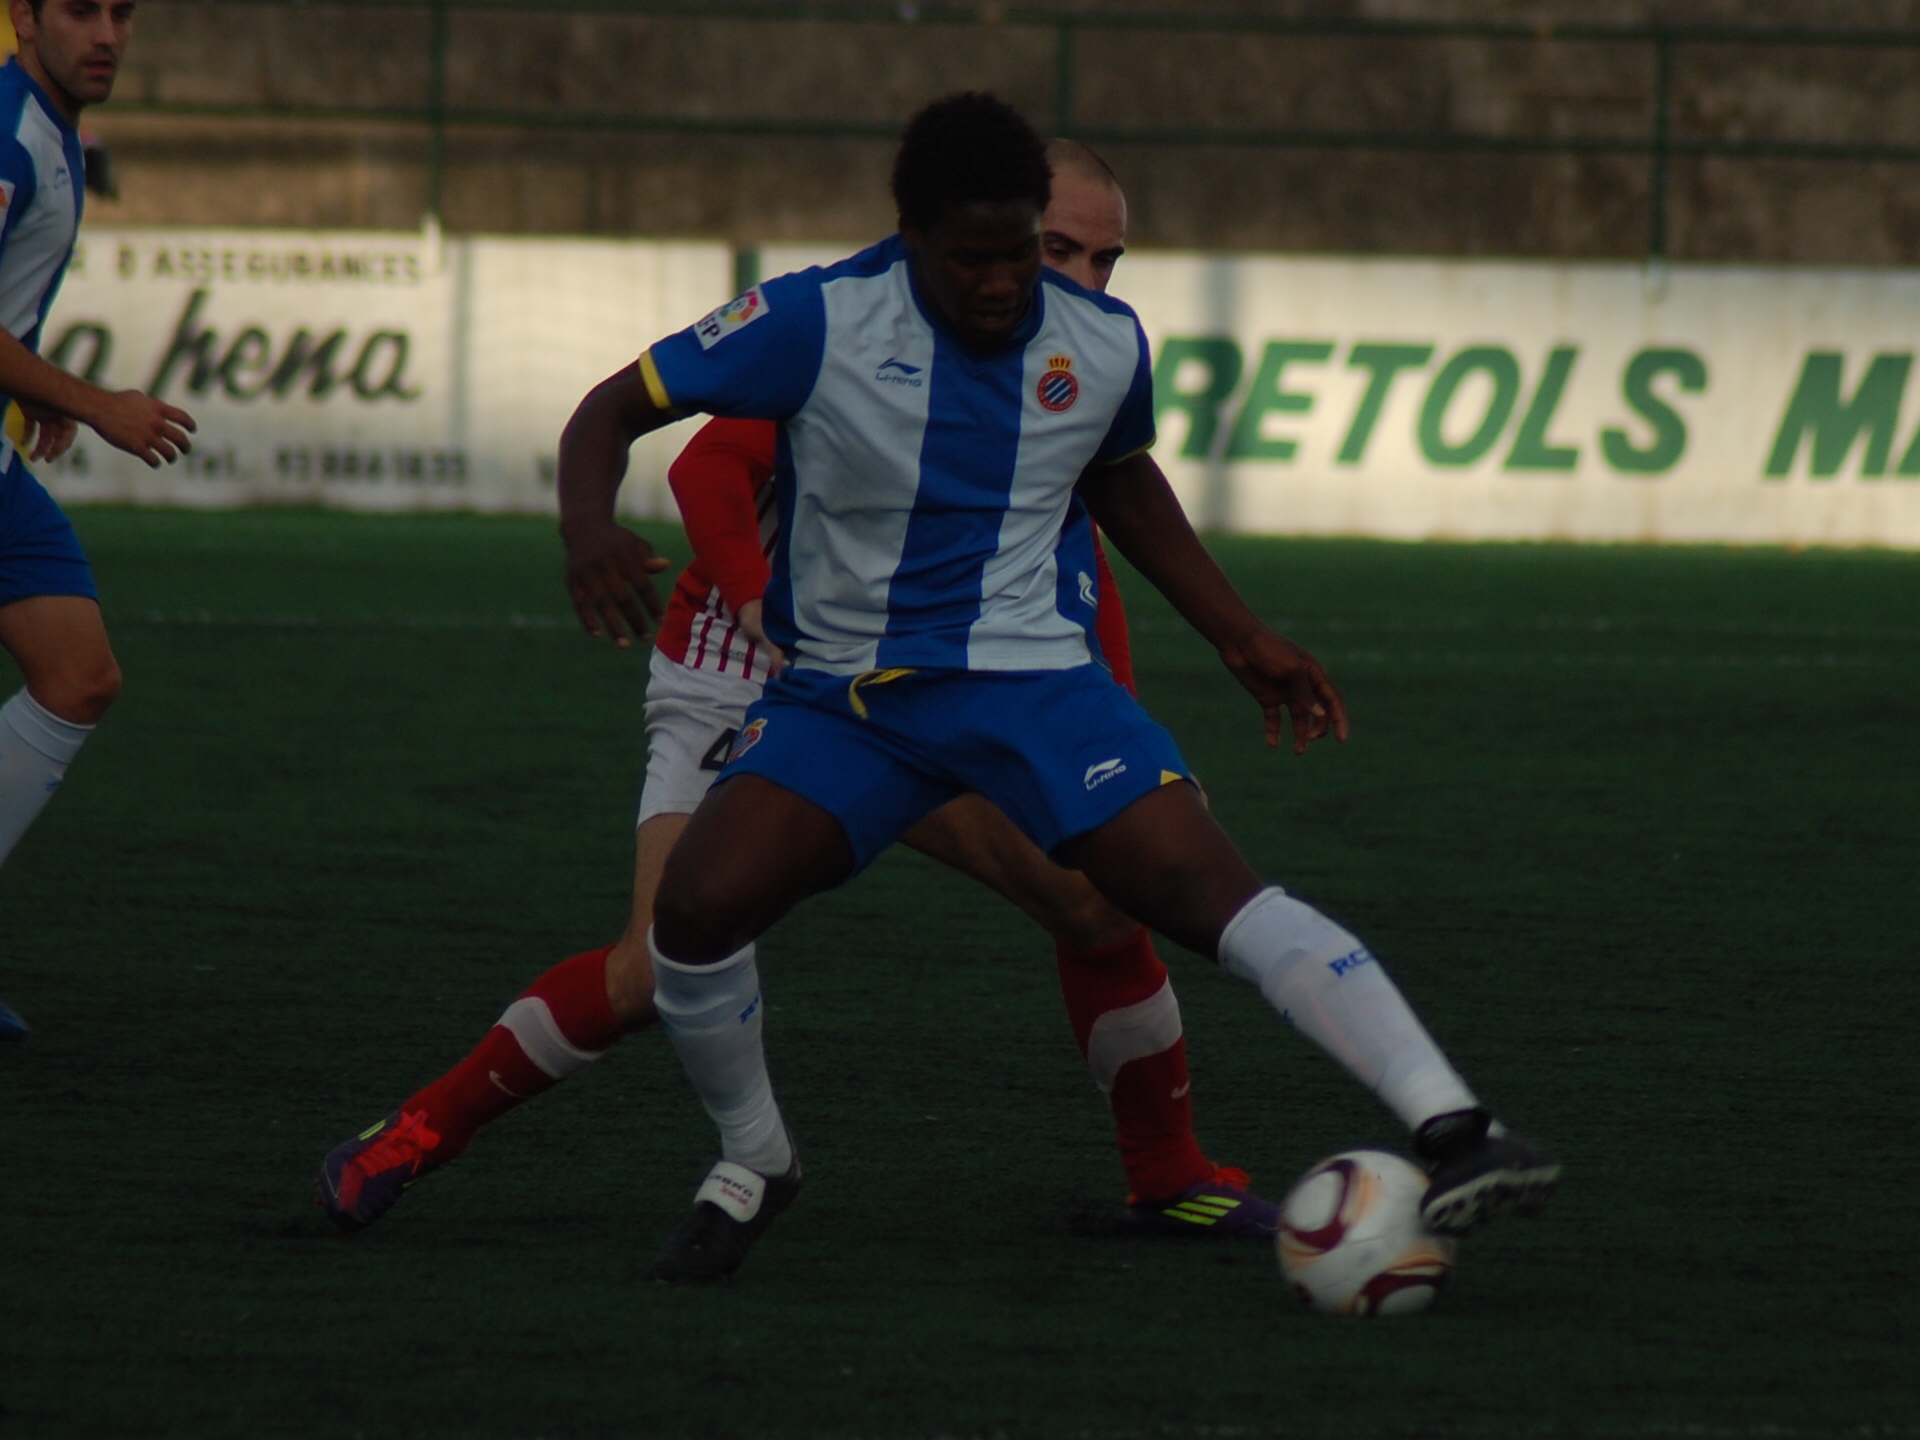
x: 42, y: 187
x: 927, y: 514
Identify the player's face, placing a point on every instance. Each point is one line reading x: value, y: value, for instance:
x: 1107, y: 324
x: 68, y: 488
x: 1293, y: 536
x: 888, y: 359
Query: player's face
x: 977, y: 266
x: 78, y: 44
x: 1084, y: 233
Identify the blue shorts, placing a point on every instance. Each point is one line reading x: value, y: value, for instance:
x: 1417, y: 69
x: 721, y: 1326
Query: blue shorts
x: 1061, y: 752
x: 39, y: 553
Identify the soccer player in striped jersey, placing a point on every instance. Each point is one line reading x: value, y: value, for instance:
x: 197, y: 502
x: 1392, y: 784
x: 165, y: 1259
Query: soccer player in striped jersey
x: 49, y: 616
x: 710, y: 661
x: 951, y: 414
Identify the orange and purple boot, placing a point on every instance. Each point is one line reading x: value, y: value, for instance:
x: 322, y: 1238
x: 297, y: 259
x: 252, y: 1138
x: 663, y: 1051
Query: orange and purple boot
x: 363, y: 1178
x: 1222, y: 1204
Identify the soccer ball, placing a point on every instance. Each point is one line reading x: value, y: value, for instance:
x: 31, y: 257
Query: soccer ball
x: 1352, y: 1241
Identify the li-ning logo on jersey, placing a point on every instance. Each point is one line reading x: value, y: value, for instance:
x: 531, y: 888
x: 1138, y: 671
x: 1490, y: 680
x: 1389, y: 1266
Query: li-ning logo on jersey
x: 1354, y: 961
x: 1058, y: 389
x: 1086, y: 589
x: 898, y: 372
x: 1098, y: 775
x: 742, y: 310
x: 748, y: 738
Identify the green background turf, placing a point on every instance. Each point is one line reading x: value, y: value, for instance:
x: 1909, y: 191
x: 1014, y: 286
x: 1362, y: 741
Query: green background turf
x: 1637, y: 829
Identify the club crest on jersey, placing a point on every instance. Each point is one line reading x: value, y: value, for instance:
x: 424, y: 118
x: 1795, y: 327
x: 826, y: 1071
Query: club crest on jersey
x: 741, y: 310
x: 1058, y: 389
x: 747, y: 739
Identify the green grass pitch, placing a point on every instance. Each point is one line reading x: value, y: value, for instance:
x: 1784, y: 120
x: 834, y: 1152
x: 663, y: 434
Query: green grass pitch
x: 1637, y: 829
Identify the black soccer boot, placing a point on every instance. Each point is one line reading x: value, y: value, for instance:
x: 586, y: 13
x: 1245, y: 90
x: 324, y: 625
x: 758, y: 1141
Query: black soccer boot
x: 731, y: 1209
x: 1479, y: 1169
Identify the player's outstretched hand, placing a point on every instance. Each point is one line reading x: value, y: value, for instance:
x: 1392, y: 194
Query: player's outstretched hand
x: 143, y: 426
x: 750, y: 622
x: 1284, y: 677
x: 610, y: 574
x: 50, y: 434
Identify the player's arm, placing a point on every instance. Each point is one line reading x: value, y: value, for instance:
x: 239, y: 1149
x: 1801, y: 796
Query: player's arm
x: 126, y: 419
x: 1137, y: 509
x: 716, y: 482
x: 757, y: 355
x: 610, y: 569
x: 1110, y: 620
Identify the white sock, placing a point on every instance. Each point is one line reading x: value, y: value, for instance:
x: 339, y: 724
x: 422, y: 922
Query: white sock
x: 1328, y: 985
x: 36, y: 746
x: 711, y: 1013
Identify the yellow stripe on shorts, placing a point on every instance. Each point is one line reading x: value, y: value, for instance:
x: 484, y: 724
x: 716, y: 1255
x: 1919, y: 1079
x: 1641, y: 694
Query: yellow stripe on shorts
x: 870, y: 677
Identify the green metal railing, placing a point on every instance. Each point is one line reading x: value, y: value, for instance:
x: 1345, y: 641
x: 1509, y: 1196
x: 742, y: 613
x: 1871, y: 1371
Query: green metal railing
x: 1657, y: 143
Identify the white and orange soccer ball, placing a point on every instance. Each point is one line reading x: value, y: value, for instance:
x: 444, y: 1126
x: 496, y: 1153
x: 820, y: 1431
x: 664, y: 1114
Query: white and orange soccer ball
x: 1352, y: 1241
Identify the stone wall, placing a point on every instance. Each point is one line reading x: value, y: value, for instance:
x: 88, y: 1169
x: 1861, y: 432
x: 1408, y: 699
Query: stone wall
x: 512, y: 173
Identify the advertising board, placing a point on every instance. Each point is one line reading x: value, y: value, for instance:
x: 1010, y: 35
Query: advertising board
x: 1409, y: 399
x: 372, y: 371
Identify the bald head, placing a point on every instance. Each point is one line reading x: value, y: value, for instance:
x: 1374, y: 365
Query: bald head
x: 1085, y: 228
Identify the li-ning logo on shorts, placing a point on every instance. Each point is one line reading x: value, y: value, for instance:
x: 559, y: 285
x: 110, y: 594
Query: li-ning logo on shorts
x: 1058, y: 389
x: 1098, y: 775
x: 1086, y: 589
x: 1354, y: 961
x: 898, y: 372
x: 748, y: 738
x: 742, y: 310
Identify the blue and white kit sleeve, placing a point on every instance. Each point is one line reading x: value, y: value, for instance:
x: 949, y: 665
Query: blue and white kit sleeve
x: 755, y: 358
x: 1133, y: 429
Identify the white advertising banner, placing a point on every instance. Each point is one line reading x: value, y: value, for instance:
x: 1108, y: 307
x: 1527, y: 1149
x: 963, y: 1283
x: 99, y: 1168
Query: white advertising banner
x: 1479, y: 400
x: 1409, y: 399
x: 367, y: 370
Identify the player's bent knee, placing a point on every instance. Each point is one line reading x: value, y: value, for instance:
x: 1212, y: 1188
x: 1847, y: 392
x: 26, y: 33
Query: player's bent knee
x: 80, y: 695
x: 704, y: 913
x: 1080, y: 916
x: 630, y: 982
x: 690, y: 931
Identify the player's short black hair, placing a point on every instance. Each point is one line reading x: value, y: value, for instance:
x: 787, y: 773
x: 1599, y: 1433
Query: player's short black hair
x: 967, y: 148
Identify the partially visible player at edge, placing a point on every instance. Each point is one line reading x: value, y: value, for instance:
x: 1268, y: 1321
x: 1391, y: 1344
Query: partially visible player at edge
x: 924, y: 593
x: 49, y: 617
x: 706, y: 669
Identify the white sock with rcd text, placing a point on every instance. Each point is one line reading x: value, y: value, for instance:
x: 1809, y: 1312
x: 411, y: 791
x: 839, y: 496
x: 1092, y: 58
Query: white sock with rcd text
x: 1329, y: 986
x: 36, y: 746
x: 711, y: 1013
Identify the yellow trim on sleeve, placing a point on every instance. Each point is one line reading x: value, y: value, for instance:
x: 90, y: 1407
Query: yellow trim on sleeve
x: 16, y: 423
x: 656, y: 387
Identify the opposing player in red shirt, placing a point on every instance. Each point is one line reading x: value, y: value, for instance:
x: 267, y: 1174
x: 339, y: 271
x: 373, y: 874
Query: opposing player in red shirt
x: 709, y: 663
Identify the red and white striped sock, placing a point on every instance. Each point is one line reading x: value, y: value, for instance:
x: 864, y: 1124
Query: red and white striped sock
x: 560, y: 1025
x: 1127, y: 1022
